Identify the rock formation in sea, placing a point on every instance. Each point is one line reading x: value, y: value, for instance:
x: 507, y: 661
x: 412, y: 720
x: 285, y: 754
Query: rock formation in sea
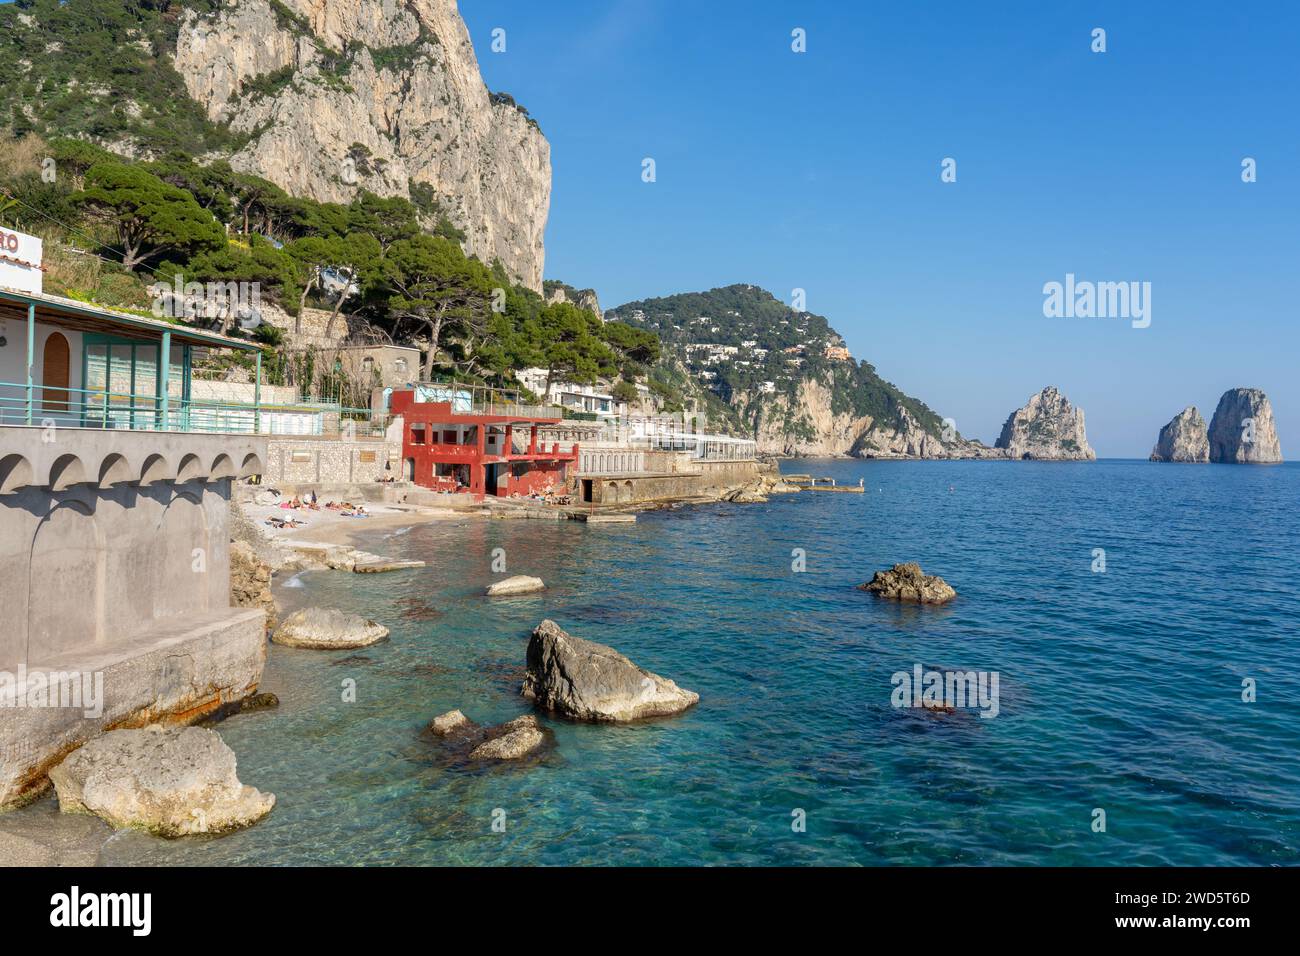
x: 328, y: 629
x: 1184, y: 439
x: 1047, y: 428
x: 907, y: 582
x: 1242, y: 430
x: 170, y: 781
x: 334, y: 96
x: 583, y: 680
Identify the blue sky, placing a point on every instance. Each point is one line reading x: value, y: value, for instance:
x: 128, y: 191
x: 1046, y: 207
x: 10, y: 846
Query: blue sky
x: 821, y: 171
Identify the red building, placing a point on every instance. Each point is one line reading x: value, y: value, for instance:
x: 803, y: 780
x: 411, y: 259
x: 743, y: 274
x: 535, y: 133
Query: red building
x: 460, y: 445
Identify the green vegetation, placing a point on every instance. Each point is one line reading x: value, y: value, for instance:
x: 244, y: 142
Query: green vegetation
x: 100, y: 69
x: 138, y: 223
x: 150, y: 217
x: 762, y: 340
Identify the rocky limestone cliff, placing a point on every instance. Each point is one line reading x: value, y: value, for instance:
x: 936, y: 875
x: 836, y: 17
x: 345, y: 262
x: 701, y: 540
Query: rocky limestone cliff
x: 343, y: 95
x: 583, y: 299
x: 808, y: 427
x: 1048, y: 427
x: 1183, y: 439
x: 1242, y: 430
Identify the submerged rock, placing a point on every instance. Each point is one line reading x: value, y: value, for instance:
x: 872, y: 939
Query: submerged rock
x: 583, y: 680
x: 449, y: 723
x: 328, y: 629
x: 907, y: 582
x: 1242, y: 430
x: 170, y: 781
x: 519, y: 584
x: 512, y: 740
x: 256, y: 702
x: 1184, y: 439
x: 376, y: 565
x: 1047, y: 428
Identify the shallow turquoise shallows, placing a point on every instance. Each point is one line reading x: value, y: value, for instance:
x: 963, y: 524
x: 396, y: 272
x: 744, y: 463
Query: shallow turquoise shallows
x: 1119, y: 691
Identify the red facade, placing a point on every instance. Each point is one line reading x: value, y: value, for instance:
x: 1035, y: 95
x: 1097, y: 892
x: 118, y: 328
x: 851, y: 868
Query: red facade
x: 472, y: 453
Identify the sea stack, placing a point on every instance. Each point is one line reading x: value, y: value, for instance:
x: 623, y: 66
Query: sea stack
x: 1242, y: 430
x: 1184, y: 439
x: 1047, y: 428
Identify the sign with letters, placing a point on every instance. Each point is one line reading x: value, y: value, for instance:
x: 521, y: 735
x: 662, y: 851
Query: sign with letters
x: 20, y: 261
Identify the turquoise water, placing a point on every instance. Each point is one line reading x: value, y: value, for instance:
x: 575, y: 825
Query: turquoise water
x: 1119, y: 690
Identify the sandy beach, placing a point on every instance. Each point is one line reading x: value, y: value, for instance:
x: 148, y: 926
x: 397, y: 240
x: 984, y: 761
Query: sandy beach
x: 333, y: 527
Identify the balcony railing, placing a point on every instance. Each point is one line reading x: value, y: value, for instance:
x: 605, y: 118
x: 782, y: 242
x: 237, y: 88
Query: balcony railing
x: 82, y: 408
x: 519, y: 411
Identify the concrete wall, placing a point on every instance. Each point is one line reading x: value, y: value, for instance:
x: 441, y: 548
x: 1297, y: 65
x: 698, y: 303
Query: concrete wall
x: 114, y: 558
x: 306, y: 461
x: 114, y: 518
x: 709, y: 479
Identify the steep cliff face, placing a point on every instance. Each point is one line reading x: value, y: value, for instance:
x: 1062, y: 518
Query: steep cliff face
x: 384, y: 95
x: 1242, y: 430
x: 807, y: 425
x: 1048, y: 427
x: 1183, y: 439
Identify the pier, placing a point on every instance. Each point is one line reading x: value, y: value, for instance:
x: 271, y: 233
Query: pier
x: 810, y: 483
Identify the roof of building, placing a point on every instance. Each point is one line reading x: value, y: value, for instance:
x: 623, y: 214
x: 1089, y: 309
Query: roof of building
x: 82, y: 316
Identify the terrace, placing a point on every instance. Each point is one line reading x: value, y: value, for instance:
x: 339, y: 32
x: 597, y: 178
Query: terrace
x: 68, y: 364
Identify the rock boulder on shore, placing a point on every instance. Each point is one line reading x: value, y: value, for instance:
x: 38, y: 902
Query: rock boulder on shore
x: 519, y: 584
x: 1183, y: 439
x: 907, y: 582
x: 1242, y: 430
x: 583, y: 680
x: 328, y: 629
x: 170, y: 781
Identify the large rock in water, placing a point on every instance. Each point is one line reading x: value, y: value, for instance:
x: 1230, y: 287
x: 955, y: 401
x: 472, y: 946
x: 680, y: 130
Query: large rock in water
x: 1184, y: 439
x: 907, y: 582
x: 583, y: 680
x: 1047, y: 428
x: 170, y: 781
x: 1242, y: 430
x: 328, y: 629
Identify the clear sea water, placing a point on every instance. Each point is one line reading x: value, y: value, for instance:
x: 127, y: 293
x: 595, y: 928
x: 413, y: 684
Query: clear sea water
x: 1119, y: 690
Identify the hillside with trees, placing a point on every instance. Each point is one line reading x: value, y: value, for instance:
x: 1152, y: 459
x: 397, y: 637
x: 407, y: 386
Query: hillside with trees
x: 756, y: 355
x: 116, y: 227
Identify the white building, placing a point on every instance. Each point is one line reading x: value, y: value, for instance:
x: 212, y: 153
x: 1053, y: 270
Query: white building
x: 578, y: 398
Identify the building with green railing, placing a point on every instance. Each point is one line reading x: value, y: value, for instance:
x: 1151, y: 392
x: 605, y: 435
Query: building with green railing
x: 82, y: 366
